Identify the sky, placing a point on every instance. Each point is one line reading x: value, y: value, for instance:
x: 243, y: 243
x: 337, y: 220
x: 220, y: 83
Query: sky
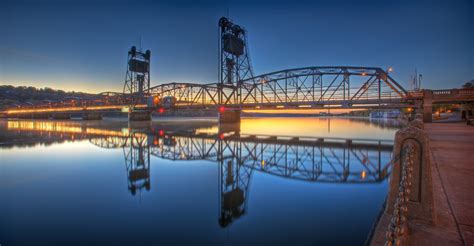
x: 83, y: 45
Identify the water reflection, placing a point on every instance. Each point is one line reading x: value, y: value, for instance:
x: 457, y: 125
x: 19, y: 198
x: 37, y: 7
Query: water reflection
x: 239, y: 156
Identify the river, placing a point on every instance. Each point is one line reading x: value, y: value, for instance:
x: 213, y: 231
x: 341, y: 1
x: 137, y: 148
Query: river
x: 295, y: 181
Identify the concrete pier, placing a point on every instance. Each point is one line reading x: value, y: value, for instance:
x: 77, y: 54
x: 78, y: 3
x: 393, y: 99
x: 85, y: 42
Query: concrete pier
x: 139, y: 115
x: 22, y: 116
x: 61, y: 116
x: 427, y: 106
x: 88, y: 115
x: 229, y: 116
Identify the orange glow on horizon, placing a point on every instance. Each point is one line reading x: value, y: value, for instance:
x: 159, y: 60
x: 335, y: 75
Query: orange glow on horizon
x: 65, y: 127
x: 73, y: 109
x: 300, y: 111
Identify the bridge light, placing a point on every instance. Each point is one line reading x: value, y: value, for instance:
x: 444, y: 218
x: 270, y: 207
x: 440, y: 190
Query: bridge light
x: 363, y: 174
x: 161, y: 132
x: 125, y: 110
x: 263, y: 163
x: 390, y: 69
x: 222, y: 136
x: 221, y: 109
x: 364, y: 74
x: 161, y: 110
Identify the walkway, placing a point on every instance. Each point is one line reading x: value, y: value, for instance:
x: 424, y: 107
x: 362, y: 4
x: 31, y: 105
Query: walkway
x: 452, y: 172
x: 452, y: 148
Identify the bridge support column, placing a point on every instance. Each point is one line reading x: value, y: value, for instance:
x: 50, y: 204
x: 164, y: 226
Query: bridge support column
x: 229, y: 116
x: 61, y: 116
x: 427, y: 106
x: 467, y: 110
x: 139, y: 115
x: 43, y: 116
x: 23, y: 116
x: 88, y: 115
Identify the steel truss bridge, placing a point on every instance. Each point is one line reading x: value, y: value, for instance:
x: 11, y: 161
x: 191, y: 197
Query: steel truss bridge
x: 310, y: 87
x: 238, y: 87
x: 317, y: 87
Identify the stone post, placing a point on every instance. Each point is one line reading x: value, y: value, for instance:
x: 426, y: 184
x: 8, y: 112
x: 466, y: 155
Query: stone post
x: 420, y: 201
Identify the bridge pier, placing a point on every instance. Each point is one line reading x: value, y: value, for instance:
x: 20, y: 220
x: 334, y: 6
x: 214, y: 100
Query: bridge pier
x: 43, y: 116
x: 22, y: 116
x: 61, y: 116
x: 139, y: 115
x: 88, y: 115
x: 427, y: 106
x: 229, y: 116
x: 467, y: 110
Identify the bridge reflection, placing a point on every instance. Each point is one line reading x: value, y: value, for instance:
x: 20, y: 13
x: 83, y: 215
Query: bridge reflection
x: 238, y: 156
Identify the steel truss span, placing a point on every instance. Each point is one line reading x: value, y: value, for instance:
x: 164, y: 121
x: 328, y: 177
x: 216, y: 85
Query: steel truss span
x: 310, y: 87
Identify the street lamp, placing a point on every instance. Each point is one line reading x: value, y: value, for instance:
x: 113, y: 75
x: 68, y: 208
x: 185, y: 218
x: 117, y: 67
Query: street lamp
x: 389, y: 69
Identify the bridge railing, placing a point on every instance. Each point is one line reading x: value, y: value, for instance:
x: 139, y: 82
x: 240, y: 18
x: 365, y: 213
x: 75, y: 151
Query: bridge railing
x: 453, y: 93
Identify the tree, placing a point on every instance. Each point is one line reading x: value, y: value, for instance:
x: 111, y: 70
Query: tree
x: 469, y: 84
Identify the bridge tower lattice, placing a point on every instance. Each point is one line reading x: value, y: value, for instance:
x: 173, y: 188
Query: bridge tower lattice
x: 234, y: 61
x: 137, y: 78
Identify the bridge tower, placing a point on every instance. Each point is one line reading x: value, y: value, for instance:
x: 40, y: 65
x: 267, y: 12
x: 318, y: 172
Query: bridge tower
x: 234, y: 66
x: 137, y: 82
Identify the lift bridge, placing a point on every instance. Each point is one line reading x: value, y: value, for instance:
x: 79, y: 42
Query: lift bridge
x: 317, y: 87
x: 309, y: 87
x: 238, y: 88
x: 239, y: 156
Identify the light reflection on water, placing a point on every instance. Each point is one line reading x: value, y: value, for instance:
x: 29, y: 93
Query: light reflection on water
x: 109, y: 182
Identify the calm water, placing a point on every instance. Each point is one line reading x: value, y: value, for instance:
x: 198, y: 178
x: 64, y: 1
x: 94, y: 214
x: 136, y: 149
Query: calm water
x: 191, y: 182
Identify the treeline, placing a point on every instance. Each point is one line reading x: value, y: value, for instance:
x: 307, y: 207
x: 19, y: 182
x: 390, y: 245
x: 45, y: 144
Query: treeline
x: 11, y: 96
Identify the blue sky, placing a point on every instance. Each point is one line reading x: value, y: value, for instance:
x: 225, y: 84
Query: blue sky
x: 83, y: 45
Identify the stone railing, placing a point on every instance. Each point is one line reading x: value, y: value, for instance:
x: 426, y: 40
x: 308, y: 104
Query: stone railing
x: 411, y: 194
